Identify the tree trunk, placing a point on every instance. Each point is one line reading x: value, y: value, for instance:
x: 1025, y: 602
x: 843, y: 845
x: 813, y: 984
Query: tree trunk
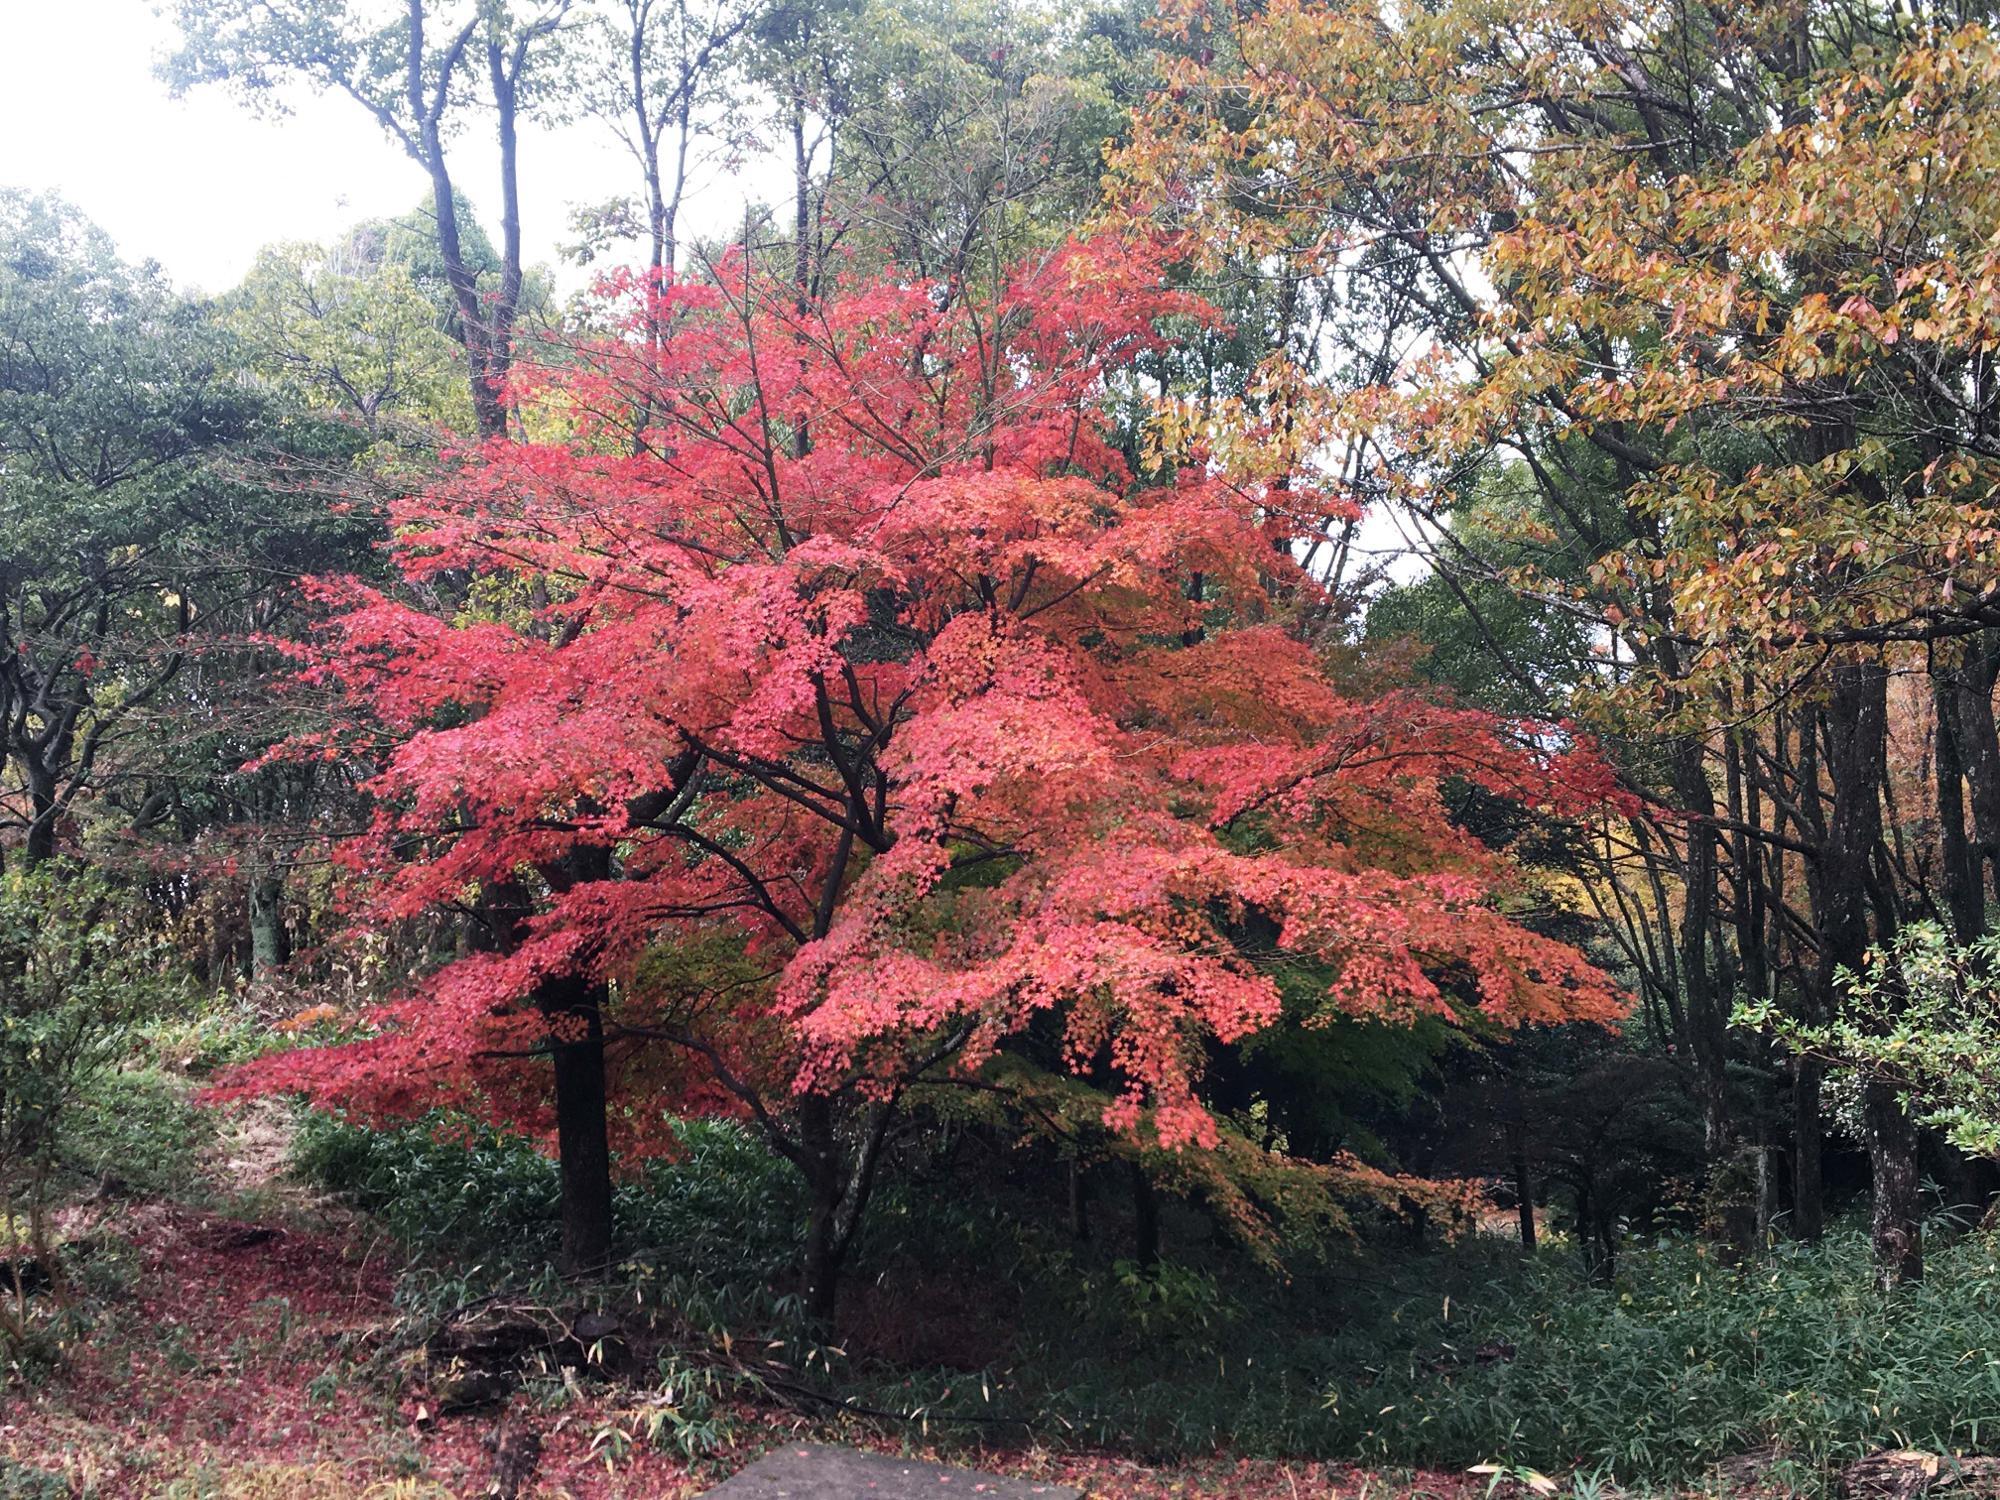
x: 270, y: 944
x: 1707, y: 991
x: 583, y: 1144
x: 1857, y: 762
x: 1977, y: 744
x: 802, y: 264
x: 822, y: 1266
x: 506, y: 80
x: 1808, y: 1184
x: 1895, y: 1225
x: 1079, y: 1202
x: 1590, y: 1242
x: 1767, y: 1190
x: 427, y: 113
x: 1145, y: 1219
x: 1964, y: 893
x: 823, y: 1187
x: 40, y: 844
x: 1524, y: 1190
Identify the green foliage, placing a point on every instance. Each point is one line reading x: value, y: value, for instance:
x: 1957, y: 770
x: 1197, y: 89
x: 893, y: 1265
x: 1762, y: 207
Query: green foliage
x: 1161, y: 1301
x: 724, y: 1205
x: 1495, y: 645
x: 353, y: 329
x: 112, y: 397
x: 476, y: 1189
x: 1469, y: 1355
x: 1924, y: 1014
x: 135, y: 1129
x: 199, y: 1039
x: 692, y: 1413
x: 986, y: 121
x: 402, y: 255
x: 110, y: 383
x: 1684, y: 1362
x: 78, y: 972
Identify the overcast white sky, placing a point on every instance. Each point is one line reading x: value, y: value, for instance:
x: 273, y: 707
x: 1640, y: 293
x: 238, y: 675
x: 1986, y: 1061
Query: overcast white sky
x: 200, y: 183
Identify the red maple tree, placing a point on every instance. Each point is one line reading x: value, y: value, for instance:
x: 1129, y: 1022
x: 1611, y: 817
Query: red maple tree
x: 818, y: 702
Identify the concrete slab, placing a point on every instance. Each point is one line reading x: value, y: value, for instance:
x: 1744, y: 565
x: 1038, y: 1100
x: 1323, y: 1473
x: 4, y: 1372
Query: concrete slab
x: 804, y: 1471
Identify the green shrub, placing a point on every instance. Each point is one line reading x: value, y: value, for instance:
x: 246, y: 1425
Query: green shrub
x: 479, y: 1191
x: 79, y: 969
x: 203, y: 1038
x: 723, y: 1204
x: 136, y: 1129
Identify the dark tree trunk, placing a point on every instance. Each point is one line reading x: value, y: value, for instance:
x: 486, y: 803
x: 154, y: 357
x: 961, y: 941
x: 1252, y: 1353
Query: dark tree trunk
x: 1767, y: 1187
x: 427, y: 100
x: 1145, y: 1218
x: 1808, y: 1184
x: 821, y: 1148
x: 1857, y: 763
x: 505, y: 69
x: 802, y: 260
x: 1707, y: 989
x: 1977, y: 744
x: 1524, y: 1189
x: 583, y: 1144
x: 1964, y: 893
x: 40, y: 844
x: 802, y: 247
x: 1593, y: 1236
x: 1079, y: 1202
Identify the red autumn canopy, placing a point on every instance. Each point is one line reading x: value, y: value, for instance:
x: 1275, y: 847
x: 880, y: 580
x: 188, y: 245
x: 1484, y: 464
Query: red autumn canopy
x: 844, y: 630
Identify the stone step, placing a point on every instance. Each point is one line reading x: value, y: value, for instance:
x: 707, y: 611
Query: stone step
x: 804, y: 1471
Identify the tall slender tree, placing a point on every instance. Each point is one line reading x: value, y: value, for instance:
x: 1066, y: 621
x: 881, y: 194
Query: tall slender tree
x: 416, y: 77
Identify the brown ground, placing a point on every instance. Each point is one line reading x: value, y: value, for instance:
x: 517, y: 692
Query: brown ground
x: 256, y: 1355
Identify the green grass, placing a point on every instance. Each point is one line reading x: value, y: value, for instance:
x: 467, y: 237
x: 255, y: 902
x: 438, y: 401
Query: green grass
x: 1443, y: 1359
x: 137, y: 1131
x: 202, y: 1038
x: 1683, y: 1362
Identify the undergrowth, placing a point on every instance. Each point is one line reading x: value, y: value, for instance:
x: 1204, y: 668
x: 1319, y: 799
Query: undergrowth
x: 1445, y: 1359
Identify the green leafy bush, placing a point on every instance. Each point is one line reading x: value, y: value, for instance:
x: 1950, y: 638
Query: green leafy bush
x: 441, y: 1187
x: 204, y: 1038
x: 79, y: 969
x: 723, y: 1203
x: 1923, y: 1014
x: 20, y: 1482
x: 135, y: 1130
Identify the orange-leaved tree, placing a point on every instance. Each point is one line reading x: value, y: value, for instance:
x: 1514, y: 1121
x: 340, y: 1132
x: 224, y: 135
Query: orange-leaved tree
x: 1714, y: 287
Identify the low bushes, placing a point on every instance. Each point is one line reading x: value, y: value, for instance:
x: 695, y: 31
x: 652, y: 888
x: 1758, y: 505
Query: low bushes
x: 1458, y: 1356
